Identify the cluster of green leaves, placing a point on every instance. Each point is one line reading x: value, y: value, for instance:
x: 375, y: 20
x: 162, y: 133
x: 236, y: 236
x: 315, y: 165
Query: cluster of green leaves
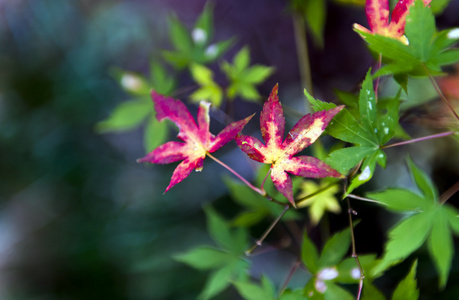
x: 194, y: 47
x: 226, y: 261
x: 427, y: 52
x: 426, y: 218
x: 368, y: 127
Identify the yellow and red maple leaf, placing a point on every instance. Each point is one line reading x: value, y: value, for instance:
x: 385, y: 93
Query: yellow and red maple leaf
x: 198, y: 141
x: 280, y: 153
x: 377, y: 12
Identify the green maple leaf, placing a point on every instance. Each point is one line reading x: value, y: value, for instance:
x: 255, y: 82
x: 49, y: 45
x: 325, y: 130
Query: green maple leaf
x: 427, y: 219
x: 195, y: 46
x: 243, y: 77
x: 321, y: 202
x: 368, y: 134
x: 279, y: 153
x: 225, y: 260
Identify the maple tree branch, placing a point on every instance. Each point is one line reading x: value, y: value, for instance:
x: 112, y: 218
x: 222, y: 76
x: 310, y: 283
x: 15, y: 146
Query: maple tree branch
x: 237, y: 175
x: 449, y: 192
x: 440, y: 93
x: 425, y: 138
x: 259, y: 242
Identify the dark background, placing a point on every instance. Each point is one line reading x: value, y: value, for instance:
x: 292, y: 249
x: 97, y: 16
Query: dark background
x: 79, y: 218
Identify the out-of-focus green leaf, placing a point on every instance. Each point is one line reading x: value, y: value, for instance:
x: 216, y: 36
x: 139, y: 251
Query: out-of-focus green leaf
x: 204, y: 258
x: 309, y: 255
x: 288, y: 294
x: 162, y: 82
x: 440, y: 245
x: 155, y: 133
x: 258, y: 207
x: 324, y: 200
x: 205, y: 23
x: 243, y: 78
x: 251, y: 291
x: 179, y: 35
x: 405, y: 238
x: 334, y: 292
x: 209, y: 90
x: 348, y: 270
x: 438, y: 6
x: 218, y: 228
x: 407, y: 288
x: 400, y: 200
x: 218, y: 281
x: 423, y: 182
x: 370, y: 292
x: 335, y: 248
x: 126, y: 116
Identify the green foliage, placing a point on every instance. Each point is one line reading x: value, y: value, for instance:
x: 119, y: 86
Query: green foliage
x: 225, y: 260
x: 209, y: 89
x: 324, y: 267
x: 195, y: 46
x: 427, y: 51
x: 242, y: 78
x: 406, y: 289
x: 428, y: 219
x: 373, y: 129
x: 256, y: 207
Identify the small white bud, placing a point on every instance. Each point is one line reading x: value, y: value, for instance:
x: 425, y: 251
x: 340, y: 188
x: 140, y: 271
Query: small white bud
x: 199, y: 35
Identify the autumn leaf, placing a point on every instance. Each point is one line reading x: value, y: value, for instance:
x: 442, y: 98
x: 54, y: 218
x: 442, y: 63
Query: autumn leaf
x: 377, y: 12
x: 280, y: 154
x: 198, y: 141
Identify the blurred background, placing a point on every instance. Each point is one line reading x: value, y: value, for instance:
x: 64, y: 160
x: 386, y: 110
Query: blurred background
x: 79, y: 218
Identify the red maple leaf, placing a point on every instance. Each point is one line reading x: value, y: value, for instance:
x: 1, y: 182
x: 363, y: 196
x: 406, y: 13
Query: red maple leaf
x: 198, y: 141
x: 377, y: 12
x: 279, y: 153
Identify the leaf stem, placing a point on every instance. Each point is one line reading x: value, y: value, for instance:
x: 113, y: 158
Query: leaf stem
x: 263, y: 193
x: 440, y: 93
x: 365, y: 199
x: 302, y: 52
x: 300, y: 201
x: 350, y: 212
x: 449, y: 192
x: 290, y: 275
x: 425, y: 138
x: 259, y: 242
x: 264, y: 180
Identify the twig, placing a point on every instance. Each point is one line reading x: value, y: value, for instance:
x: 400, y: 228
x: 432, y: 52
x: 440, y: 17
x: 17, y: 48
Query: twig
x: 440, y: 93
x: 354, y: 252
x: 425, y: 138
x: 449, y: 192
x: 259, y: 242
x: 365, y: 199
x: 237, y: 175
x: 290, y: 275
